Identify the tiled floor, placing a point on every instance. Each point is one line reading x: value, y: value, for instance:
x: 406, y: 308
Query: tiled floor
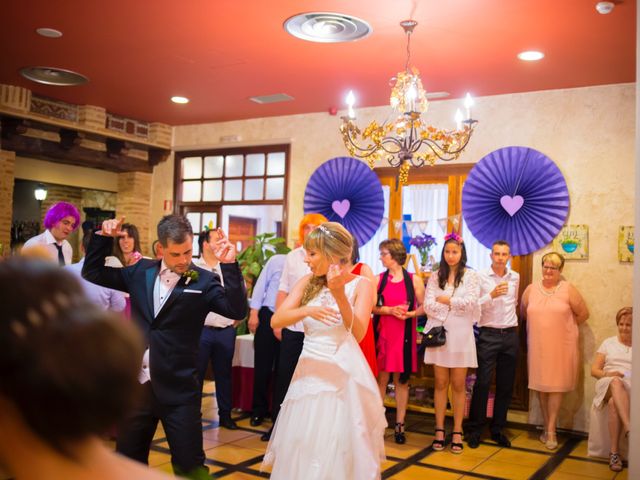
x: 238, y: 454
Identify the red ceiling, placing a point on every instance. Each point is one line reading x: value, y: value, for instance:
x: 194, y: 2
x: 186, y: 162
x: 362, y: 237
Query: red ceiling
x: 137, y: 54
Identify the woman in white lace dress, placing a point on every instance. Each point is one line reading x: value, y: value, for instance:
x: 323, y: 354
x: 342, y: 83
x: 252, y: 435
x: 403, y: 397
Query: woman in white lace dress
x: 331, y: 423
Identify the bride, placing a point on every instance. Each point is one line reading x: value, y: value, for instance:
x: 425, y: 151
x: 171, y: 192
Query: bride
x: 331, y: 423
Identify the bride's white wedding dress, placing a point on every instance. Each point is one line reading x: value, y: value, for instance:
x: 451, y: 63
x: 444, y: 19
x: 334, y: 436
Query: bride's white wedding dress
x: 331, y: 424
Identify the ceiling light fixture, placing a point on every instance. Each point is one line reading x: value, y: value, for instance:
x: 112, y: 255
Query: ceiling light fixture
x: 53, y: 76
x: 605, y: 8
x: 49, y: 32
x: 327, y: 27
x: 531, y: 56
x: 400, y: 140
x: 178, y: 99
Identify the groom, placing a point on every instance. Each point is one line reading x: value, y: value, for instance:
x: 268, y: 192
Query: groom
x: 170, y: 299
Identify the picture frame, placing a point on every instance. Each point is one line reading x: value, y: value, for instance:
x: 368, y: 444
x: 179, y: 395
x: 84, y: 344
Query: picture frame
x: 573, y: 242
x: 626, y: 244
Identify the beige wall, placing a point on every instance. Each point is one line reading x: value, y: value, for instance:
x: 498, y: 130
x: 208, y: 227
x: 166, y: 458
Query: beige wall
x: 61, y: 174
x: 587, y: 132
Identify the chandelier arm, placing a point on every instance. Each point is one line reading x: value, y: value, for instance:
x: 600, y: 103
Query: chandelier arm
x: 366, y: 152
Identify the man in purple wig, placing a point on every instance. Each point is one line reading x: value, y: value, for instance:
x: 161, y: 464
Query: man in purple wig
x: 60, y: 221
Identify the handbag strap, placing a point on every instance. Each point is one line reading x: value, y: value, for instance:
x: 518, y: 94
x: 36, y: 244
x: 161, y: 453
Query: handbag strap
x: 408, y: 346
x: 449, y: 311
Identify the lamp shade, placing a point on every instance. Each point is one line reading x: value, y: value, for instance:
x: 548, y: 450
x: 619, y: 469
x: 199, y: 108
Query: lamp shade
x: 40, y: 192
x: 347, y: 191
x: 515, y: 194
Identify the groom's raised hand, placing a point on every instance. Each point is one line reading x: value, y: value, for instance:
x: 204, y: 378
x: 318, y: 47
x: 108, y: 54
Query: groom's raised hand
x: 112, y: 228
x: 224, y: 250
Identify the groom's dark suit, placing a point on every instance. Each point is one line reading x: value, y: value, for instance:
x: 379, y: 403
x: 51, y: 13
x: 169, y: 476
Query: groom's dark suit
x: 174, y: 393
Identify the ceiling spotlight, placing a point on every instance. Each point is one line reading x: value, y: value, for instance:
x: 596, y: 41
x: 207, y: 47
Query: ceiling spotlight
x: 49, y: 32
x: 605, y: 7
x: 531, y: 56
x: 178, y: 99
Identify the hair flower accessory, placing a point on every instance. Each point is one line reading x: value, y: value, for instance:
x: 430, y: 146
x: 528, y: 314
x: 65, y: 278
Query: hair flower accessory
x: 453, y: 236
x: 191, y: 275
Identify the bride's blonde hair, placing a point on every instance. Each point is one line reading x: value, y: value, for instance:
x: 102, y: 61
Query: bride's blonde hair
x: 334, y: 242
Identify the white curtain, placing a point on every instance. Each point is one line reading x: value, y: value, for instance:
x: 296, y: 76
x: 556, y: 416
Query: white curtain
x: 477, y: 254
x: 369, y: 252
x: 426, y: 203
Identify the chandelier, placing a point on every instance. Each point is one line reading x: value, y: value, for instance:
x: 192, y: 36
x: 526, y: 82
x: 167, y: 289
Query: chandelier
x: 406, y: 140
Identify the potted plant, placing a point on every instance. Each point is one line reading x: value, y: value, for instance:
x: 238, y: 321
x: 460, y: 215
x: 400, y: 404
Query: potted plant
x: 424, y: 243
x: 253, y: 258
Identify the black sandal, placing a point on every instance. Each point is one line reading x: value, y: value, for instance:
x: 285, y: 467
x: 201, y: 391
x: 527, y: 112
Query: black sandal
x: 438, y: 445
x: 399, y: 434
x: 456, y: 447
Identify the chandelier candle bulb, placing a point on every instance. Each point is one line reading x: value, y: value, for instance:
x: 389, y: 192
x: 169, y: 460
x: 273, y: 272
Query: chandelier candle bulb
x: 351, y: 100
x: 468, y: 103
x: 458, y: 119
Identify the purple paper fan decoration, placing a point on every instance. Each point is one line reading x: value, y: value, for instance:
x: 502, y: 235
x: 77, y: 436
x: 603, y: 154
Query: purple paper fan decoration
x: 515, y: 194
x: 347, y: 191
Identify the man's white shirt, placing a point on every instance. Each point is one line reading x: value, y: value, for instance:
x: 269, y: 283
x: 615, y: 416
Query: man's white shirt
x: 294, y: 269
x: 499, y: 312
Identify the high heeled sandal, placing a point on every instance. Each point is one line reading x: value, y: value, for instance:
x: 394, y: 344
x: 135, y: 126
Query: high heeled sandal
x: 551, y: 444
x: 456, y: 447
x: 438, y: 445
x: 615, y: 462
x: 399, y: 434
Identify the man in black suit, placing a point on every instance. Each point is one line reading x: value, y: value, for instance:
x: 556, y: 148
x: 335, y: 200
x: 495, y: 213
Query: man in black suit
x: 170, y: 299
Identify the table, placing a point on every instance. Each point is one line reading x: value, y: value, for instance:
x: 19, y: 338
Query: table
x: 242, y: 373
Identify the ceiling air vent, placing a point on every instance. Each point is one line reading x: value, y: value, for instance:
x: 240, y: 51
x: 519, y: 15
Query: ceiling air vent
x: 327, y: 27
x: 275, y: 98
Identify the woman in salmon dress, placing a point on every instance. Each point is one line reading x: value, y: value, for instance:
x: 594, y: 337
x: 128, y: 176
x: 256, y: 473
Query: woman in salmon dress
x: 553, y: 308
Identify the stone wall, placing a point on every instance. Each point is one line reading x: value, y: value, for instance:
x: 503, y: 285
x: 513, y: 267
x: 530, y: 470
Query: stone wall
x: 134, y: 198
x: 7, y: 168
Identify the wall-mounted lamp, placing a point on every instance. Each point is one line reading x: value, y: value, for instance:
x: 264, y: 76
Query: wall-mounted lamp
x: 40, y: 193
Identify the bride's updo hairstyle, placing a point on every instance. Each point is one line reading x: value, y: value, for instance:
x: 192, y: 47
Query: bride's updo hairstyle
x: 334, y: 242
x: 68, y: 367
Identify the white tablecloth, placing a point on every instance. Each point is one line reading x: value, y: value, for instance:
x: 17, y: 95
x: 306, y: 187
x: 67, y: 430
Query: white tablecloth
x: 243, y: 355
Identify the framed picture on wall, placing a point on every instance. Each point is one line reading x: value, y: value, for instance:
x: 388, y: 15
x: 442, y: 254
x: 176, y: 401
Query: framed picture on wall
x: 626, y: 244
x: 573, y: 242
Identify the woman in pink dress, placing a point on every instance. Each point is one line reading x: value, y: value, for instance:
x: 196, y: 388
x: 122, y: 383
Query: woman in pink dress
x: 396, y: 326
x: 553, y: 308
x: 452, y: 301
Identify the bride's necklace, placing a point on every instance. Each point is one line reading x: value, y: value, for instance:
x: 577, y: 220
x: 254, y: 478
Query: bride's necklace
x: 546, y: 292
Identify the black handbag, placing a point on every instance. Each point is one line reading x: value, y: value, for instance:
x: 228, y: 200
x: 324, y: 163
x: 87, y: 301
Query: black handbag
x: 435, y: 337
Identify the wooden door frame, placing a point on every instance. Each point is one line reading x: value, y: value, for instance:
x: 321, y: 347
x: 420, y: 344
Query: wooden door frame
x: 454, y: 176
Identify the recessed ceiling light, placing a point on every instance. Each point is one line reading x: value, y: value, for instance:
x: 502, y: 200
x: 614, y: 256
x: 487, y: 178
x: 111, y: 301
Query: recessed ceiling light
x: 531, y: 56
x: 53, y: 76
x: 49, y: 32
x: 327, y: 27
x: 178, y: 99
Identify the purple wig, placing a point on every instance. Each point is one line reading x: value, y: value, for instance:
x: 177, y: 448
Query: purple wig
x: 58, y: 211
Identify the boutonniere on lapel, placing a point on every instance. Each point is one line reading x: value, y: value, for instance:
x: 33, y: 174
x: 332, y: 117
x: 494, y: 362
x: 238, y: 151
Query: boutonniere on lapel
x: 191, y: 275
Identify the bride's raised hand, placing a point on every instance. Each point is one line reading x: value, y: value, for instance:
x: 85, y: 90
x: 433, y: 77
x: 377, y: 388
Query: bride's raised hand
x: 328, y: 316
x: 336, y: 277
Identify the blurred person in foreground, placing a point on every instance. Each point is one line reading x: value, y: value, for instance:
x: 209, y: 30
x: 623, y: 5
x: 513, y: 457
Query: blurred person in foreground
x: 68, y: 374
